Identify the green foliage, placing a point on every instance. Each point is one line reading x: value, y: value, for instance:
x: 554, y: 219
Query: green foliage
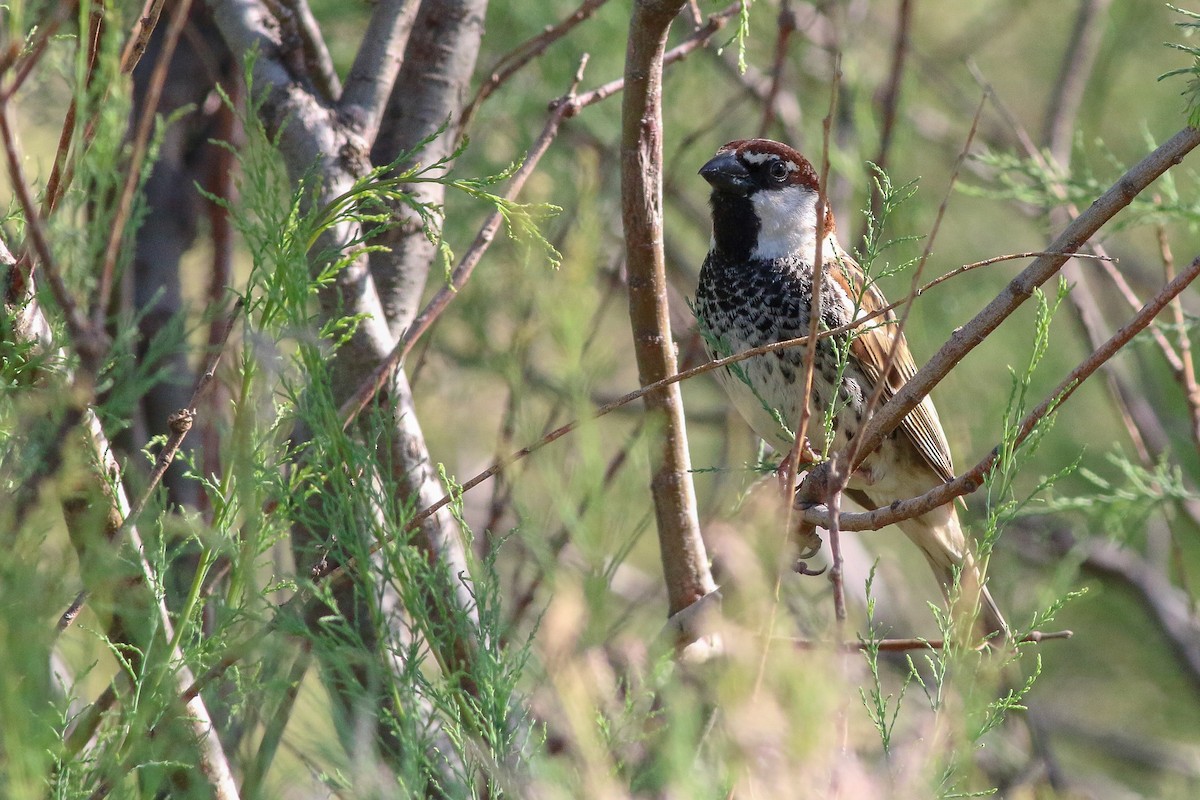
x: 882, y: 709
x: 1121, y: 505
x: 1015, y: 451
x: 574, y: 689
x: 1191, y: 92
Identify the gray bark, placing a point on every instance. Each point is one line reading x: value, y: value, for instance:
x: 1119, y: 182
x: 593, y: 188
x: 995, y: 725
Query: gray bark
x: 428, y: 94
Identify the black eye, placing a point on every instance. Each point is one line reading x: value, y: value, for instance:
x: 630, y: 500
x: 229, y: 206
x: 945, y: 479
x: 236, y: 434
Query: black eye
x: 778, y: 171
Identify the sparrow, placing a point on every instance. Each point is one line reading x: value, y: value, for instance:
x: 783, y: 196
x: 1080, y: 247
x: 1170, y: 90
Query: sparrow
x: 755, y: 289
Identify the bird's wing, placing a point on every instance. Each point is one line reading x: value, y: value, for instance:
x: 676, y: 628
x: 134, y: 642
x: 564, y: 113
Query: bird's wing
x: 870, y: 347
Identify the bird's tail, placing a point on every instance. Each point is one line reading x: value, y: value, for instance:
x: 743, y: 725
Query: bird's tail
x: 941, y: 539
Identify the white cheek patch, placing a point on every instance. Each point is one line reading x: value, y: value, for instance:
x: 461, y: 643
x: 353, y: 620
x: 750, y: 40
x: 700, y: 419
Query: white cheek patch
x: 787, y: 223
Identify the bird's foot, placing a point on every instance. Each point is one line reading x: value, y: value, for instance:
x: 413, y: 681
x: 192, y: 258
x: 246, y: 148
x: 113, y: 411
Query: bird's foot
x: 797, y: 460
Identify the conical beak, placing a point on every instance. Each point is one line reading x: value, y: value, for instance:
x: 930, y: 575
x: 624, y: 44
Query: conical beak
x: 725, y: 173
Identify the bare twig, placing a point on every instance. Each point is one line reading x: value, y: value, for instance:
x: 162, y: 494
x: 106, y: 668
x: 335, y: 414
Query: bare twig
x: 852, y: 449
x: 1020, y: 288
x: 900, y: 645
x: 512, y: 62
x: 972, y: 479
x: 890, y: 101
x: 139, y: 37
x: 785, y: 27
x: 1187, y: 366
x: 819, y: 270
x: 1142, y: 423
x: 141, y: 143
x: 62, y: 172
x: 697, y: 40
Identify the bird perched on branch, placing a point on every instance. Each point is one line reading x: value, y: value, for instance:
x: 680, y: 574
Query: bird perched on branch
x: 756, y: 289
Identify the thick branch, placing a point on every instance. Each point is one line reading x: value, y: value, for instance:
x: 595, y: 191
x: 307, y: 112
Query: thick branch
x: 427, y: 97
x: 685, y: 563
x: 376, y: 64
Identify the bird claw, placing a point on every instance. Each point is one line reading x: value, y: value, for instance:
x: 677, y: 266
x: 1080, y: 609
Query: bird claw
x: 801, y: 568
x: 808, y: 541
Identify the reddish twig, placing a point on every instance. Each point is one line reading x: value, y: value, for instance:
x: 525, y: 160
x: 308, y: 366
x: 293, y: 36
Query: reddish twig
x: 139, y: 37
x: 697, y: 40
x: 972, y: 479
x: 1187, y: 366
x: 890, y: 101
x: 852, y: 449
x: 62, y: 172
x: 785, y: 27
x: 966, y: 338
x: 513, y: 61
x: 900, y: 645
x: 140, y: 145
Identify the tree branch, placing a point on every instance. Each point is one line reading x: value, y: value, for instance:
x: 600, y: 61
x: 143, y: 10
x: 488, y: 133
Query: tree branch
x: 369, y: 83
x: 685, y: 563
x: 966, y: 338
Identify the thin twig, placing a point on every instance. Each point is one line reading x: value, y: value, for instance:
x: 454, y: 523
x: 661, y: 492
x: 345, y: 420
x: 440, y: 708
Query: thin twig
x: 63, y: 171
x: 1187, y: 371
x: 890, y: 102
x: 694, y: 42
x: 513, y: 61
x: 141, y: 144
x: 972, y: 479
x: 852, y: 448
x: 139, y: 37
x: 899, y: 645
x: 966, y: 338
x: 819, y: 271
x: 1141, y: 421
x: 563, y: 108
x: 179, y: 424
x: 785, y: 26
x: 1060, y: 192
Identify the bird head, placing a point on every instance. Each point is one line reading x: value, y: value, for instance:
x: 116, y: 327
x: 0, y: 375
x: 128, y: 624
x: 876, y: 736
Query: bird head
x: 764, y: 201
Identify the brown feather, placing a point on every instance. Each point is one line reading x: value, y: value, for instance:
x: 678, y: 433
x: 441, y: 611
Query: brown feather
x: 870, y: 347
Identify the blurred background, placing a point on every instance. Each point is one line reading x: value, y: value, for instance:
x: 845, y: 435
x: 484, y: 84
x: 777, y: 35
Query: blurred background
x: 1071, y: 98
